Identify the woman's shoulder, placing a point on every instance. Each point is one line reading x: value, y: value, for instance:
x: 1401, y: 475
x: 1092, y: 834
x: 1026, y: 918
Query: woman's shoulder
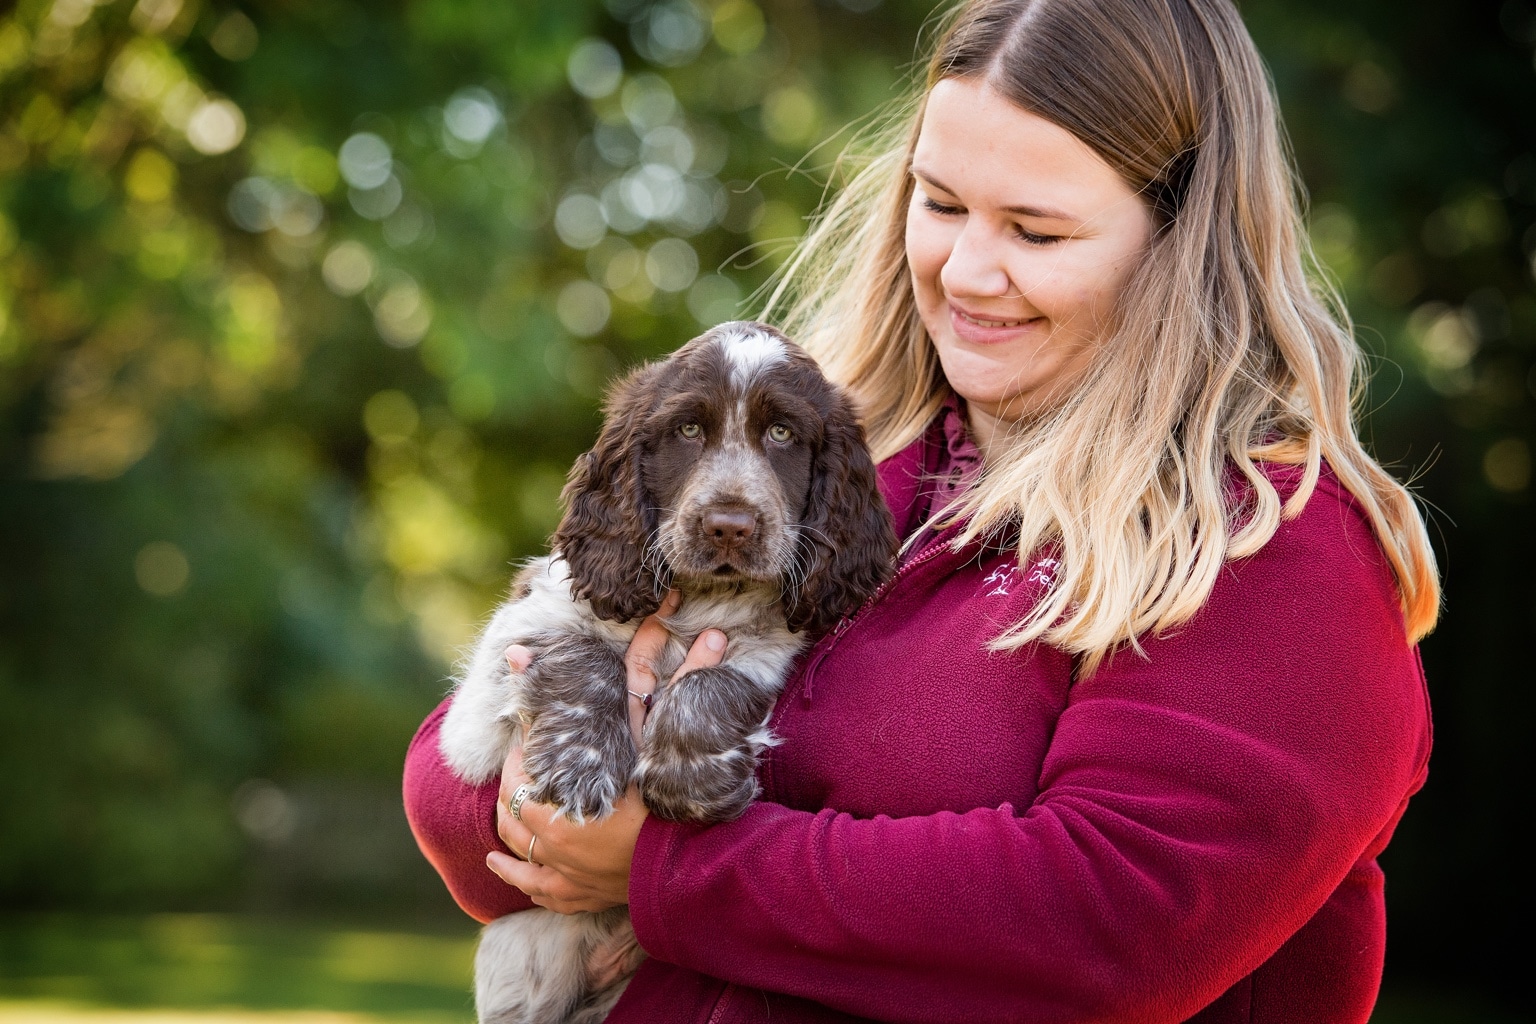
x: 1332, y: 527
x: 1322, y: 582
x: 1289, y: 477
x: 1303, y: 641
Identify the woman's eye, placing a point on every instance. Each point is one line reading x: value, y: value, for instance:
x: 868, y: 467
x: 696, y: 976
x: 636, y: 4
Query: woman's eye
x: 934, y: 206
x: 692, y: 431
x: 1034, y: 239
x: 780, y: 433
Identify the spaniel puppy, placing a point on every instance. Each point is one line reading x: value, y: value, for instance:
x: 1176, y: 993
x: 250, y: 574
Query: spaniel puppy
x: 736, y: 473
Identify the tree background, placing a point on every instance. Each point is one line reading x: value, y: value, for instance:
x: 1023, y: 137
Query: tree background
x: 305, y: 308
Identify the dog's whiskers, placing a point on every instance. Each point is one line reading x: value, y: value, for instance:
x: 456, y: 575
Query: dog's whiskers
x: 653, y: 562
x: 791, y: 572
x: 819, y: 535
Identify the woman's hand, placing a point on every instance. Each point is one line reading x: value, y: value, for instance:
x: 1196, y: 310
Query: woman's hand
x: 586, y: 867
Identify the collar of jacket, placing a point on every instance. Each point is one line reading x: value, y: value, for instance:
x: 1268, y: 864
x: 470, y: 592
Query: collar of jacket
x: 910, y: 478
x: 906, y: 481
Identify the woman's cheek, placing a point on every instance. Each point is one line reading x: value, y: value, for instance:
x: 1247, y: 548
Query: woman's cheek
x: 929, y: 242
x: 1073, y: 299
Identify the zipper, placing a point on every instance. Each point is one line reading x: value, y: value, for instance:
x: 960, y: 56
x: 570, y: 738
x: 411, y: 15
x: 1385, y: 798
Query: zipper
x: 718, y: 1013
x: 846, y: 623
x: 822, y: 650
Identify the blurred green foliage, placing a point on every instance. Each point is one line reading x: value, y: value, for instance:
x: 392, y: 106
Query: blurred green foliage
x: 306, y: 307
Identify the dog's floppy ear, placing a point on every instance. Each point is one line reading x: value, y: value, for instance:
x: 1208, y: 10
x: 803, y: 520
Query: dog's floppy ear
x: 847, y: 541
x: 607, y: 513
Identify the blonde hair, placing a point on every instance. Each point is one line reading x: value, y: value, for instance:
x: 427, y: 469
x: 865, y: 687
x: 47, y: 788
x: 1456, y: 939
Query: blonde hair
x: 1224, y: 352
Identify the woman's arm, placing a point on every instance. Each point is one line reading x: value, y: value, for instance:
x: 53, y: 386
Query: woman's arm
x: 1197, y: 807
x: 455, y: 826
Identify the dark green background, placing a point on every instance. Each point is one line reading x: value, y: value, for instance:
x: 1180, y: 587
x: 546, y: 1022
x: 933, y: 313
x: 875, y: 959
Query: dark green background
x: 241, y: 532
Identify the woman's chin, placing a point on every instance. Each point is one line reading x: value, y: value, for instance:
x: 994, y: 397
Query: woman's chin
x: 984, y: 383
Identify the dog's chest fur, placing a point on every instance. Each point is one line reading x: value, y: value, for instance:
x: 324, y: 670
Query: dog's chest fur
x: 492, y: 705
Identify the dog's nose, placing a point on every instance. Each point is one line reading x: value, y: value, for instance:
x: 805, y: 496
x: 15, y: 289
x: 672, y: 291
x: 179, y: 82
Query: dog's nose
x: 729, y: 528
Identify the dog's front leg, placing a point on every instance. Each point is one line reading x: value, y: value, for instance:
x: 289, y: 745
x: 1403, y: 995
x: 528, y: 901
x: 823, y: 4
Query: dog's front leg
x: 698, y: 756
x: 579, y: 752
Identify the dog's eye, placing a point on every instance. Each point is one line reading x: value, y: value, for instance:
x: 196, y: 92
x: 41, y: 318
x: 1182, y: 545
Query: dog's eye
x: 780, y: 433
x: 692, y: 431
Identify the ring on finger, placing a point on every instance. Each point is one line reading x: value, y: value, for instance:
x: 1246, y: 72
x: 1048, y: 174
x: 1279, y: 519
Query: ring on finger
x: 515, y: 805
x: 529, y: 855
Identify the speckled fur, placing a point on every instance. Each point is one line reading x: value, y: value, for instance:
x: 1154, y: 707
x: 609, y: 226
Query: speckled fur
x: 637, y: 523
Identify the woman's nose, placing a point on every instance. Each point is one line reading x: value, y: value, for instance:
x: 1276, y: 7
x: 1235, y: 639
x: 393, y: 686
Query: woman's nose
x: 975, y: 264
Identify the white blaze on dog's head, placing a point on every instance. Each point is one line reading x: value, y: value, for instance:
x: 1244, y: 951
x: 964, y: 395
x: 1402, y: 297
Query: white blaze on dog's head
x: 748, y: 351
x: 731, y: 472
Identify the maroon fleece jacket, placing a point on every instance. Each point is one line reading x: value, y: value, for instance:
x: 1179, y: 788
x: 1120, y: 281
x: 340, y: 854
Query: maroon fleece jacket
x: 952, y: 834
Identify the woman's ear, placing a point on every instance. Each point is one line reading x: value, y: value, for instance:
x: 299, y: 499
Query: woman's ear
x: 607, y: 515
x: 847, y: 541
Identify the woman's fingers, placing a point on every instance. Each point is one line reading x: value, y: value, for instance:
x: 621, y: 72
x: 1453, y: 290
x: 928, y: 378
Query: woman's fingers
x: 647, y: 645
x: 514, y: 834
x: 558, y: 875
x: 519, y: 658
x: 545, y: 886
x: 707, y: 652
x: 531, y: 878
x: 640, y: 661
x: 517, y: 831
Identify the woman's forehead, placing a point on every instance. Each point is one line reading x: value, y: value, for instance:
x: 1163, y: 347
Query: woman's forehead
x: 978, y: 144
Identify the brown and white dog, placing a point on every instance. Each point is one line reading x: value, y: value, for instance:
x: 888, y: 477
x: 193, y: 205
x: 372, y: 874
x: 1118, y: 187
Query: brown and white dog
x: 738, y: 474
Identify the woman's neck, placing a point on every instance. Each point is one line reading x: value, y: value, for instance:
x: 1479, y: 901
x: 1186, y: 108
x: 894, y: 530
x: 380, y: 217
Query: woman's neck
x: 984, y: 427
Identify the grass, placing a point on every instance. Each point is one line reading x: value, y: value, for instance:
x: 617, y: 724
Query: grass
x: 68, y: 970
x: 1408, y: 1006
x: 221, y: 969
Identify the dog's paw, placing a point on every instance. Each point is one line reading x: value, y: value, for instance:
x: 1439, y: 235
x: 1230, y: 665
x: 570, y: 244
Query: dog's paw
x: 581, y: 783
x: 717, y: 787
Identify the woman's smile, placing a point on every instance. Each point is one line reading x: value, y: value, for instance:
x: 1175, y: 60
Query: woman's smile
x: 990, y: 329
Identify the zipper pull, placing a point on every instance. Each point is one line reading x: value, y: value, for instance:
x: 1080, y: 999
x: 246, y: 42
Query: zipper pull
x: 824, y: 648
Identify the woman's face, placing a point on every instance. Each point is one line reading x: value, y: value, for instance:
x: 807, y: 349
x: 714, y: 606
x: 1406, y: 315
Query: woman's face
x: 1019, y: 238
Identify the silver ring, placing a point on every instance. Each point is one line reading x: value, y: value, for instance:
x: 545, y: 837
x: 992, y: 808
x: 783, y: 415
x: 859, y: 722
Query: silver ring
x: 529, y: 858
x: 515, y: 805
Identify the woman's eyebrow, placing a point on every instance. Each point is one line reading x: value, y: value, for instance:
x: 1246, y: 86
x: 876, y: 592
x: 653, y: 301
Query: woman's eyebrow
x: 1023, y: 211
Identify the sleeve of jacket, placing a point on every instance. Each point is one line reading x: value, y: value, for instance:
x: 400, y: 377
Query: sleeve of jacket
x: 1197, y: 806
x: 455, y: 826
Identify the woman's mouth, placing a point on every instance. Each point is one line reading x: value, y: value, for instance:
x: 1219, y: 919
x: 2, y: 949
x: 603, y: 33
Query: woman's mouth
x: 980, y: 322
x: 979, y: 328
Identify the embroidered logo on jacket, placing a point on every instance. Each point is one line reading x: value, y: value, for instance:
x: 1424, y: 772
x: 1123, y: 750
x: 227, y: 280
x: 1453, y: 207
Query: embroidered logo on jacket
x: 1001, y: 581
x: 1043, y: 572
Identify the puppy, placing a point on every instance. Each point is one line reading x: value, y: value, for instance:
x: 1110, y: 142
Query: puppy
x: 735, y: 472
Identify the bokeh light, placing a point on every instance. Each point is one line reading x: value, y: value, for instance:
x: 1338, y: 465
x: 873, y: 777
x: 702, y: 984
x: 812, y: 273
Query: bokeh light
x: 161, y: 568
x: 365, y: 161
x: 595, y: 68
x: 348, y: 268
x: 583, y: 308
x: 215, y: 126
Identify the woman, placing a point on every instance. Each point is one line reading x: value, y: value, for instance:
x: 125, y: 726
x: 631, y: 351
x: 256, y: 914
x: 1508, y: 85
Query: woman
x: 1124, y: 737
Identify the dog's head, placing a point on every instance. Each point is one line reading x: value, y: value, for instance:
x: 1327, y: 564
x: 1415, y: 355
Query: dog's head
x: 732, y: 462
